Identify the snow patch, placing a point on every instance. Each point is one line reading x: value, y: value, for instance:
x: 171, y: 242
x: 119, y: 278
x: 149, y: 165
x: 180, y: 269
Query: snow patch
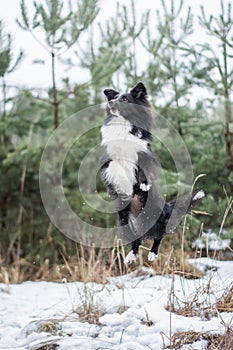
x: 141, y: 299
x: 212, y: 241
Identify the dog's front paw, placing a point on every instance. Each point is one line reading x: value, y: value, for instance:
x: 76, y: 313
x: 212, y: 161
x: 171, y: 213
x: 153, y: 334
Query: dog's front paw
x: 152, y: 256
x: 145, y: 187
x: 130, y: 258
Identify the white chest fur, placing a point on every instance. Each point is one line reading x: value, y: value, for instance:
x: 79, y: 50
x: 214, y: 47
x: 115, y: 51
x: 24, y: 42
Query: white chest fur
x: 123, y: 148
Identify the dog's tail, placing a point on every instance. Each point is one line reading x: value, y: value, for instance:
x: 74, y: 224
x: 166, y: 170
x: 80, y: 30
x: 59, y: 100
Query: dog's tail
x: 175, y: 211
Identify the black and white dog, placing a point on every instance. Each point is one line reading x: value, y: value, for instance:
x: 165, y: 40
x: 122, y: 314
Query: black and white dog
x: 129, y: 169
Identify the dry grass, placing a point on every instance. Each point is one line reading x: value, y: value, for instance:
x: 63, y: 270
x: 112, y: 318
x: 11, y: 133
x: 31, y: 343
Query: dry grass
x: 46, y: 346
x: 97, y: 265
x: 220, y: 342
x: 89, y: 264
x: 147, y: 322
x: 214, y: 341
x: 197, y: 305
x: 225, y: 303
x: 171, y: 262
x: 183, y: 338
x: 90, y: 315
x: 13, y: 274
x: 50, y: 326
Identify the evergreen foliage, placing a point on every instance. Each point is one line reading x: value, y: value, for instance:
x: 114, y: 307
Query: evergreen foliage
x: 125, y: 49
x: 61, y: 32
x: 221, y: 80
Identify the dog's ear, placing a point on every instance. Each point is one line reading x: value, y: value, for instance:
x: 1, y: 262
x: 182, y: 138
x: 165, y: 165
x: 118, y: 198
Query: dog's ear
x: 110, y: 94
x: 139, y: 91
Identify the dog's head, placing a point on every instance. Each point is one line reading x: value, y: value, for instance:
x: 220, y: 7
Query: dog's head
x: 137, y: 95
x: 133, y: 106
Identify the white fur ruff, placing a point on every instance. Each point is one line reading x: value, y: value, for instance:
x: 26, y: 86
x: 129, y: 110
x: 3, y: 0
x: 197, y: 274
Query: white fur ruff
x: 123, y: 148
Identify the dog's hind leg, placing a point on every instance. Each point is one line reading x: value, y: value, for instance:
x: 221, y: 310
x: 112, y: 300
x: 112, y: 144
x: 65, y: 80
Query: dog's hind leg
x: 153, y: 254
x: 132, y: 255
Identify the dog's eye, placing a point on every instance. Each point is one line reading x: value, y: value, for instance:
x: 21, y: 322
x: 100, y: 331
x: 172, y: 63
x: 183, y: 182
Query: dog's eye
x: 124, y: 98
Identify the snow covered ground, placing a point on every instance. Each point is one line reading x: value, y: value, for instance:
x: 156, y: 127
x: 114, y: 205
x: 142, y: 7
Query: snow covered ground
x: 133, y: 309
x: 213, y: 240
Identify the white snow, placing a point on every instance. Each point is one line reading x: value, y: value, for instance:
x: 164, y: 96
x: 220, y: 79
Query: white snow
x: 212, y: 240
x: 134, y: 314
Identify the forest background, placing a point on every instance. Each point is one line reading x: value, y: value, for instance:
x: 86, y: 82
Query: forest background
x: 190, y: 82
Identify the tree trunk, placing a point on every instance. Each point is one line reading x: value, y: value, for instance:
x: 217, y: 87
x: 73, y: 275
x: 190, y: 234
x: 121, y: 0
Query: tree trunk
x: 228, y: 132
x: 54, y: 92
x: 4, y: 210
x: 5, y: 138
x: 4, y: 97
x: 227, y: 110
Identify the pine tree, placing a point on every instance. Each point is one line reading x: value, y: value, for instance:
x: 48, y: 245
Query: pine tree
x: 61, y: 31
x: 134, y: 26
x: 105, y: 58
x: 7, y: 66
x: 116, y: 58
x: 171, y: 68
x: 217, y: 70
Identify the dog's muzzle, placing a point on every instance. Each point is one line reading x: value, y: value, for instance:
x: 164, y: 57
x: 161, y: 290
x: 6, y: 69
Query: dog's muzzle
x: 111, y: 103
x: 113, y: 106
